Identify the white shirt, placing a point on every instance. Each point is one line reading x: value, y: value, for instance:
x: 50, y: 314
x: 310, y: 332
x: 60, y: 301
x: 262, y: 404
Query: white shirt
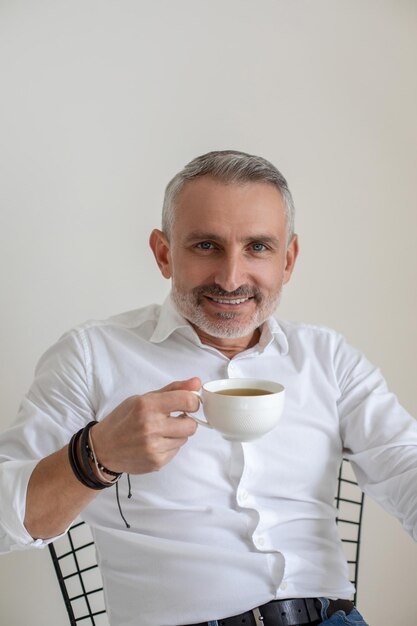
x: 224, y: 526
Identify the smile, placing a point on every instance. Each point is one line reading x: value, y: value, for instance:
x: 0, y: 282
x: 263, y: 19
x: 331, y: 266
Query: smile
x: 228, y: 301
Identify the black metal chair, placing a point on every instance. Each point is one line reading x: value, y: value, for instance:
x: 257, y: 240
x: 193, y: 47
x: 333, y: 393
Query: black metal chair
x: 349, y: 501
x: 75, y: 562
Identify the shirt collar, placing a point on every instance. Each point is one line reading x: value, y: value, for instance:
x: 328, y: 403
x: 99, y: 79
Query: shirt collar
x: 272, y: 331
x: 170, y: 320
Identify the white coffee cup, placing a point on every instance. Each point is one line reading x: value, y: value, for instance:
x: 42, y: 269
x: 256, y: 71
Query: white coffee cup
x: 241, y: 409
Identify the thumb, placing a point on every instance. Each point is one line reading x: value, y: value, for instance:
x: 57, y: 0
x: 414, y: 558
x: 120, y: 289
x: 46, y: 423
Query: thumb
x: 191, y: 384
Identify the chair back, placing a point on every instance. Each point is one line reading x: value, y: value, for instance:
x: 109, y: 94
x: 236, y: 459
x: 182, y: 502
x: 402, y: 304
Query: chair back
x: 75, y: 561
x: 349, y: 501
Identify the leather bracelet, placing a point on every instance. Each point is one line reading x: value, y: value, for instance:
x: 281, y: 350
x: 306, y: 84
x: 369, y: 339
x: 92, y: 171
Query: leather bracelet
x: 92, y: 455
x: 78, y: 468
x: 85, y: 458
x: 79, y: 459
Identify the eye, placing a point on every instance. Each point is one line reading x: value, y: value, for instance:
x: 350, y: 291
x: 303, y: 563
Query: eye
x: 258, y: 247
x: 204, y: 245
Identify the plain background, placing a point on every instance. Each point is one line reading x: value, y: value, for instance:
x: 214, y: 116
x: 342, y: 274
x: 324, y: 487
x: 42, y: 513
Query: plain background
x: 103, y: 101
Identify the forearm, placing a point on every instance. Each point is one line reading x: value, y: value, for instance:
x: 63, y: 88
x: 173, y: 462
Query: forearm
x: 54, y: 497
x: 139, y: 436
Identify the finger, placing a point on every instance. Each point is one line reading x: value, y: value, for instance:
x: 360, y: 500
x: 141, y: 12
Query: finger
x: 180, y: 427
x: 171, y: 401
x: 191, y: 384
x: 168, y: 447
x: 173, y: 444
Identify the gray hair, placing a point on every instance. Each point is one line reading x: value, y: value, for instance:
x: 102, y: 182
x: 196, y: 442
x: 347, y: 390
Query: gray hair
x: 227, y: 166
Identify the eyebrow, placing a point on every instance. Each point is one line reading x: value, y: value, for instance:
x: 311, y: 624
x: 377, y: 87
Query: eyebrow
x: 200, y: 235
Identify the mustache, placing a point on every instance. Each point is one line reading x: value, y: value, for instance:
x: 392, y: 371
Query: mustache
x: 215, y: 291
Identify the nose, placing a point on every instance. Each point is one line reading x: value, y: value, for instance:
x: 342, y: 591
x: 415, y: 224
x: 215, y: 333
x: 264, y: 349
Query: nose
x: 230, y: 273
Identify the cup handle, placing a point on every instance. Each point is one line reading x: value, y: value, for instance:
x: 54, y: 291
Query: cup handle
x: 194, y: 417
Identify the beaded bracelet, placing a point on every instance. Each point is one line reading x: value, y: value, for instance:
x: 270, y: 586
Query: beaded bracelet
x: 99, y: 467
x: 92, y: 455
x: 79, y: 468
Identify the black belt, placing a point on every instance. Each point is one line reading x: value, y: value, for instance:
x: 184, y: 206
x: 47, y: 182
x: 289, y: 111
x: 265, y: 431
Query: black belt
x: 292, y: 612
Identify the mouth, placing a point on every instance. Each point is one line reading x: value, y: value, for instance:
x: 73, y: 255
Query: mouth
x: 229, y: 302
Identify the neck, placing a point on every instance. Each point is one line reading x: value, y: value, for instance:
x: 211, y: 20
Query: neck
x: 229, y: 347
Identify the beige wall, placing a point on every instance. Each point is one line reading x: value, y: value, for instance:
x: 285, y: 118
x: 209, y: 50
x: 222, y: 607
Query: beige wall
x: 103, y: 101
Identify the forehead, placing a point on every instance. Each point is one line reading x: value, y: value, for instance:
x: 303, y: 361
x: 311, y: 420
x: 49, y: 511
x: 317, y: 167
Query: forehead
x: 208, y: 203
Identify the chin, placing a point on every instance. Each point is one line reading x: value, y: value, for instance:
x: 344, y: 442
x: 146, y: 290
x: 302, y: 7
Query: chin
x: 223, y: 330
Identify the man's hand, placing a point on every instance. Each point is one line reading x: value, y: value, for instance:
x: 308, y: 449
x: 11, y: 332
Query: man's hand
x: 140, y: 435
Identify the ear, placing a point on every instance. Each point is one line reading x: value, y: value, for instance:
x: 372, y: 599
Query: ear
x: 160, y: 247
x: 290, y: 258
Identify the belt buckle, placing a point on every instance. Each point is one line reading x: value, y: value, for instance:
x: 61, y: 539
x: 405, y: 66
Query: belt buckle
x: 259, y: 620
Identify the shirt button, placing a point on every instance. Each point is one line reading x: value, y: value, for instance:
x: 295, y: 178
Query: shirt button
x: 260, y: 541
x: 283, y: 586
x: 243, y: 495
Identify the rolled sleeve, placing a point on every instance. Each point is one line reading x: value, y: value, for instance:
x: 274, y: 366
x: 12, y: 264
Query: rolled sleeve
x: 380, y: 438
x: 14, y: 479
x: 57, y: 405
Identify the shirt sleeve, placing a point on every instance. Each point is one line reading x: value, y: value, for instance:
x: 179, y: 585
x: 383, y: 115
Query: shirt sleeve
x: 379, y: 436
x: 58, y: 404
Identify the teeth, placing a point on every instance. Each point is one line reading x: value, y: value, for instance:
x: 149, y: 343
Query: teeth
x: 238, y: 301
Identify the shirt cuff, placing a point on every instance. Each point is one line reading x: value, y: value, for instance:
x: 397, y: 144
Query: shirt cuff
x: 14, y: 479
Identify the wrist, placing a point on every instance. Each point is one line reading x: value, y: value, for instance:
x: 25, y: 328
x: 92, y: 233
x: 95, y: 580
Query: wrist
x: 102, y: 443
x: 103, y: 473
x: 84, y: 463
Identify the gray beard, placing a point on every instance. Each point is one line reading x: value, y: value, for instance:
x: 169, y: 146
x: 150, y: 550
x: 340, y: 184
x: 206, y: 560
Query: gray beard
x: 189, y: 305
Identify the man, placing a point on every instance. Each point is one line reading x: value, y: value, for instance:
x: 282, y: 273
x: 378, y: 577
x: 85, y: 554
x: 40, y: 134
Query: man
x: 214, y: 530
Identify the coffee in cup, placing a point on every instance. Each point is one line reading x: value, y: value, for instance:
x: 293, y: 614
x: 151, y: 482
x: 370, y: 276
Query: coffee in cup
x: 241, y: 409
